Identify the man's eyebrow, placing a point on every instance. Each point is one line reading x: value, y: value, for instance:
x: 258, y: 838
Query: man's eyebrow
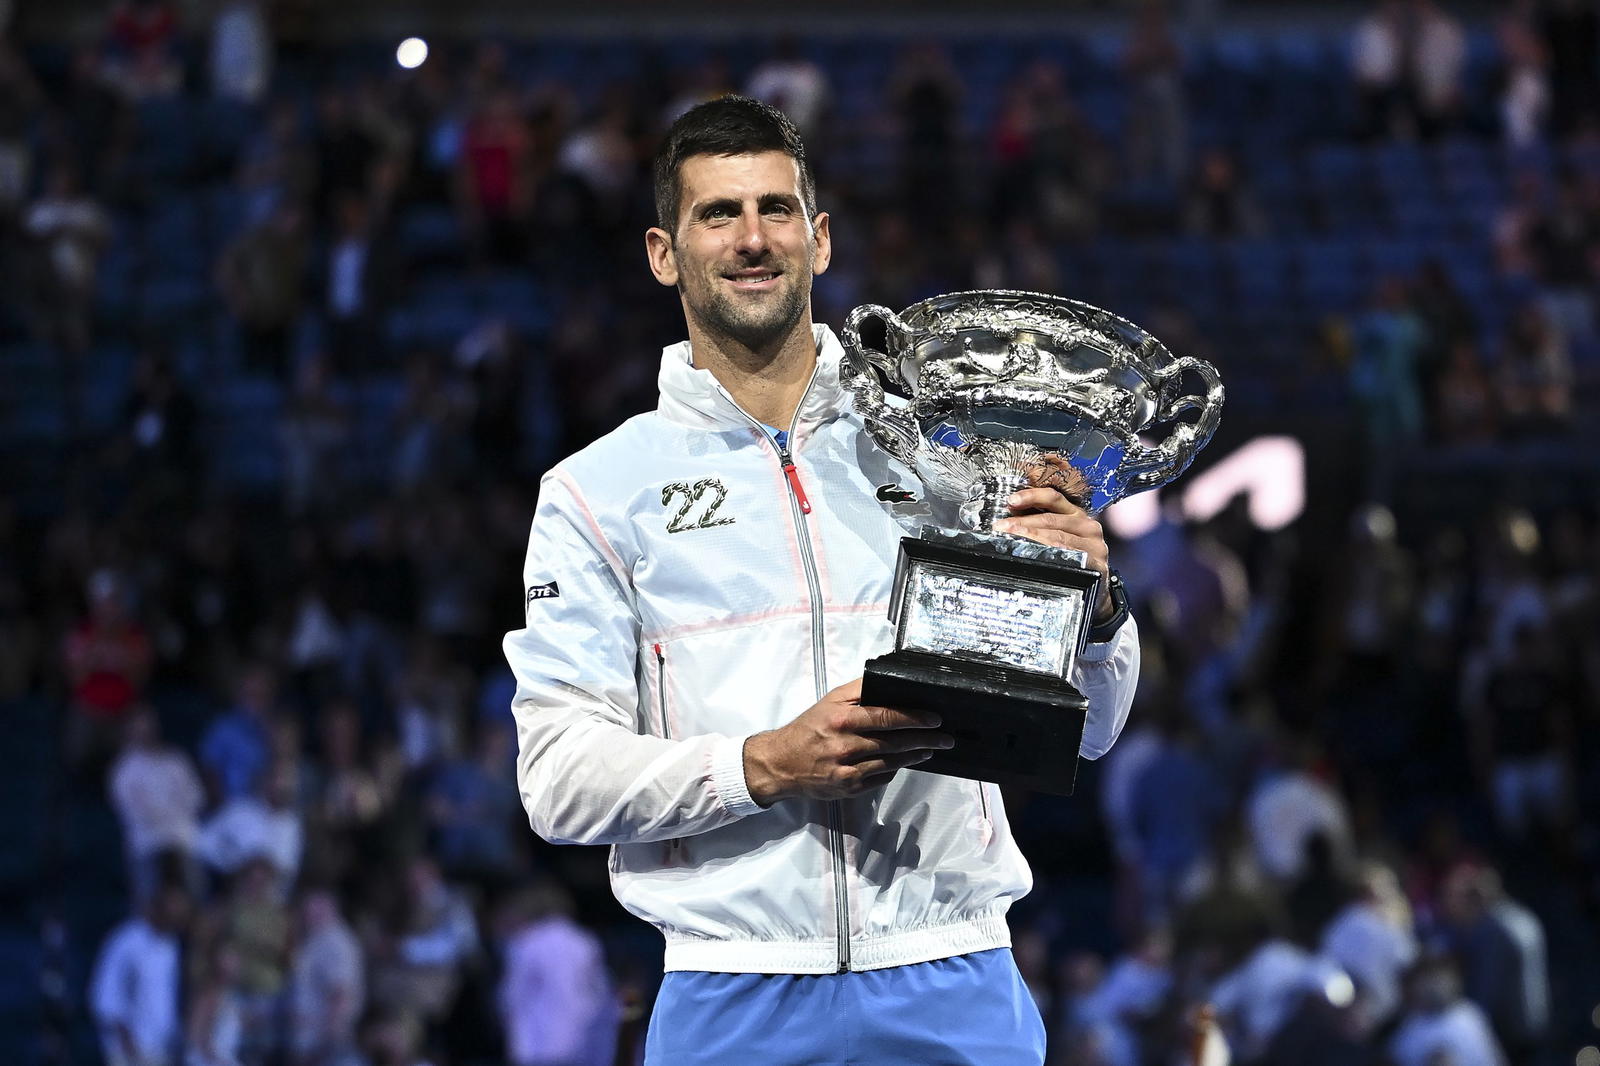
x: 733, y: 204
x: 705, y: 207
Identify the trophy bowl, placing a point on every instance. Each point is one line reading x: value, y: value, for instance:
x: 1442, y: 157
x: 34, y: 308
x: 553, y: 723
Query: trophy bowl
x: 982, y: 393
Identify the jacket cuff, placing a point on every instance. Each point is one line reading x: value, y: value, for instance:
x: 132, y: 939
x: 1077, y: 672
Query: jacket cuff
x: 1099, y: 653
x: 727, y: 777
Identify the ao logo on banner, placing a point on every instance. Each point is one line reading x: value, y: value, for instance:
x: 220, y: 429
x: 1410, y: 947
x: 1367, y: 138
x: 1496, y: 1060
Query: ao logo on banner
x: 1269, y: 471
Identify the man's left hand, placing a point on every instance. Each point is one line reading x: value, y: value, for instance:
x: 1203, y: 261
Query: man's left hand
x: 1045, y: 515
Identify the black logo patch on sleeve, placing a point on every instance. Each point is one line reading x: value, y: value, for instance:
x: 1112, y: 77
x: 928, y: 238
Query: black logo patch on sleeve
x: 892, y: 493
x: 547, y: 591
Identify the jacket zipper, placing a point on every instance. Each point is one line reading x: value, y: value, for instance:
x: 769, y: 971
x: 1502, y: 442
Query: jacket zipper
x: 983, y: 799
x: 661, y: 689
x: 801, y: 507
x: 661, y: 701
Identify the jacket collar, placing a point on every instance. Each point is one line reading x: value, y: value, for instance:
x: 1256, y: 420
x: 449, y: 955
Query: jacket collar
x: 692, y: 396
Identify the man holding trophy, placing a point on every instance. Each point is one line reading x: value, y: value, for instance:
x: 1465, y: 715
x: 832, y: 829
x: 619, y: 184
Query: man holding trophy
x: 709, y: 588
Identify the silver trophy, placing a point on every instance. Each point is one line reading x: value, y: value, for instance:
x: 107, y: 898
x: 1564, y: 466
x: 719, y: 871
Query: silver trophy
x: 980, y: 394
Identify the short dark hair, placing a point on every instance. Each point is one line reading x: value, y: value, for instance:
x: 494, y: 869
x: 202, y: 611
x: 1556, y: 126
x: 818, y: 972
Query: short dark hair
x: 729, y: 125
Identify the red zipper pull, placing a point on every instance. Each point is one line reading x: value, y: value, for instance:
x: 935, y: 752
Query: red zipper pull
x: 794, y: 483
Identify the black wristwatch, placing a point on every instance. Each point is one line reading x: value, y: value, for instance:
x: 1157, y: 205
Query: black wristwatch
x: 1104, y: 631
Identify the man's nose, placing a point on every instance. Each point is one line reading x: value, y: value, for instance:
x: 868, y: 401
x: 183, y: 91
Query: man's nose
x: 752, y: 240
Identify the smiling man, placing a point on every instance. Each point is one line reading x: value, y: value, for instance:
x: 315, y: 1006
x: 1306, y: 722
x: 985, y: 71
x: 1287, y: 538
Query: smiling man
x: 698, y: 582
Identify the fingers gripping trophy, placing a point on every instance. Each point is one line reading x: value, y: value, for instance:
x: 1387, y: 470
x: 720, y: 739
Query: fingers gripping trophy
x: 980, y: 394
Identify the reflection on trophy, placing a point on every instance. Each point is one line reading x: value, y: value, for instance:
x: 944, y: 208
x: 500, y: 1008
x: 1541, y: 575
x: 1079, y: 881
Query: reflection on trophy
x: 980, y: 394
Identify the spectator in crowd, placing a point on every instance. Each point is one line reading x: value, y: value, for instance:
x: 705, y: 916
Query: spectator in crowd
x: 237, y: 745
x: 1385, y: 378
x: 1378, y: 63
x: 262, y: 277
x: 133, y: 993
x: 214, y: 1030
x: 791, y: 83
x: 1535, y: 377
x: 69, y: 230
x: 254, y: 922
x: 472, y: 807
x: 1464, y: 401
x: 926, y: 94
x: 1559, y: 240
x: 360, y: 281
x: 247, y: 828
x: 1525, y: 97
x: 495, y: 185
x: 158, y: 445
x: 1157, y: 121
x: 1289, y: 807
x: 143, y: 59
x: 158, y: 797
x: 1373, y: 941
x: 348, y: 798
x: 20, y: 100
x: 327, y: 984
x: 107, y: 660
x: 1500, y: 946
x: 1177, y: 804
x: 420, y: 967
x: 1519, y: 709
x: 1256, y: 998
x: 557, y: 1004
x: 241, y: 52
x: 1440, y: 1025
x: 1437, y: 53
x: 316, y: 436
x: 1218, y: 204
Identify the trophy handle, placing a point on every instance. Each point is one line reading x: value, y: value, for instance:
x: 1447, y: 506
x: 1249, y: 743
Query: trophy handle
x: 883, y: 362
x: 1159, y: 465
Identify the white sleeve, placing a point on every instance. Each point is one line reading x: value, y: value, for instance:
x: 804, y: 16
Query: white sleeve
x: 586, y: 771
x: 1108, y: 674
x: 109, y: 992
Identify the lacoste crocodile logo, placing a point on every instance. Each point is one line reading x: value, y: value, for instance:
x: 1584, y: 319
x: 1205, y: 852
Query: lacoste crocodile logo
x: 892, y: 493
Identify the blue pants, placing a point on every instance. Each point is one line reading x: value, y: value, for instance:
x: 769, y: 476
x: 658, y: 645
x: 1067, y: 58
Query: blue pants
x: 971, y: 1009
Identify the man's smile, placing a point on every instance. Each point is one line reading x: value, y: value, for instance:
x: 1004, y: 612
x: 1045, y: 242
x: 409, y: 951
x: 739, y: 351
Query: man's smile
x: 754, y: 280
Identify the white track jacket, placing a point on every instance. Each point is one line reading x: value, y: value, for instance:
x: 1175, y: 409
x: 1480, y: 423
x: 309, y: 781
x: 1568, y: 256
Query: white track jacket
x: 688, y: 585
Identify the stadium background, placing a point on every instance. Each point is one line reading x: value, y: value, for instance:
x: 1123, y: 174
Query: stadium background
x: 290, y: 332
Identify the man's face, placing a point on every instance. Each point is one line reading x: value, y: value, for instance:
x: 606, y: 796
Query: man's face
x: 745, y: 251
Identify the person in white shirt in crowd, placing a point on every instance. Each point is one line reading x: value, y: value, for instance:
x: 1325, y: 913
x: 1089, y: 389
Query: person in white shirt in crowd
x: 792, y: 84
x: 254, y: 827
x: 133, y: 992
x: 1373, y: 941
x: 241, y: 52
x: 1438, y: 57
x: 1256, y: 998
x: 70, y: 230
x: 1290, y: 806
x: 556, y: 999
x: 1442, y: 1025
x: 157, y: 794
x: 327, y: 985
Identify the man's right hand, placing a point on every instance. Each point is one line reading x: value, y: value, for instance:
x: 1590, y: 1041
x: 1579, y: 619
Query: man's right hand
x: 838, y: 748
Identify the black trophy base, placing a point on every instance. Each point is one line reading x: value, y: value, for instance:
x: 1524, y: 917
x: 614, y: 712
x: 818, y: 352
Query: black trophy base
x: 1011, y: 726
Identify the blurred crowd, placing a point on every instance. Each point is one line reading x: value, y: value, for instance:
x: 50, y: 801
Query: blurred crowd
x: 1353, y: 811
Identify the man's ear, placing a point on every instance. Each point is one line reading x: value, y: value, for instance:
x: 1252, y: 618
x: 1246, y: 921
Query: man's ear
x: 658, y: 249
x: 823, y: 241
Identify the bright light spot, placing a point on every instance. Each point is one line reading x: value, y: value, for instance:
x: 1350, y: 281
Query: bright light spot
x: 1340, y: 990
x: 1132, y: 517
x: 1269, y: 471
x: 1589, y: 1056
x: 1594, y: 1016
x: 412, y: 53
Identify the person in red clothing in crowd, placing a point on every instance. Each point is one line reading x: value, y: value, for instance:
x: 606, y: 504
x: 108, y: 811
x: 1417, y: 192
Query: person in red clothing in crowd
x: 107, y: 659
x: 495, y: 184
